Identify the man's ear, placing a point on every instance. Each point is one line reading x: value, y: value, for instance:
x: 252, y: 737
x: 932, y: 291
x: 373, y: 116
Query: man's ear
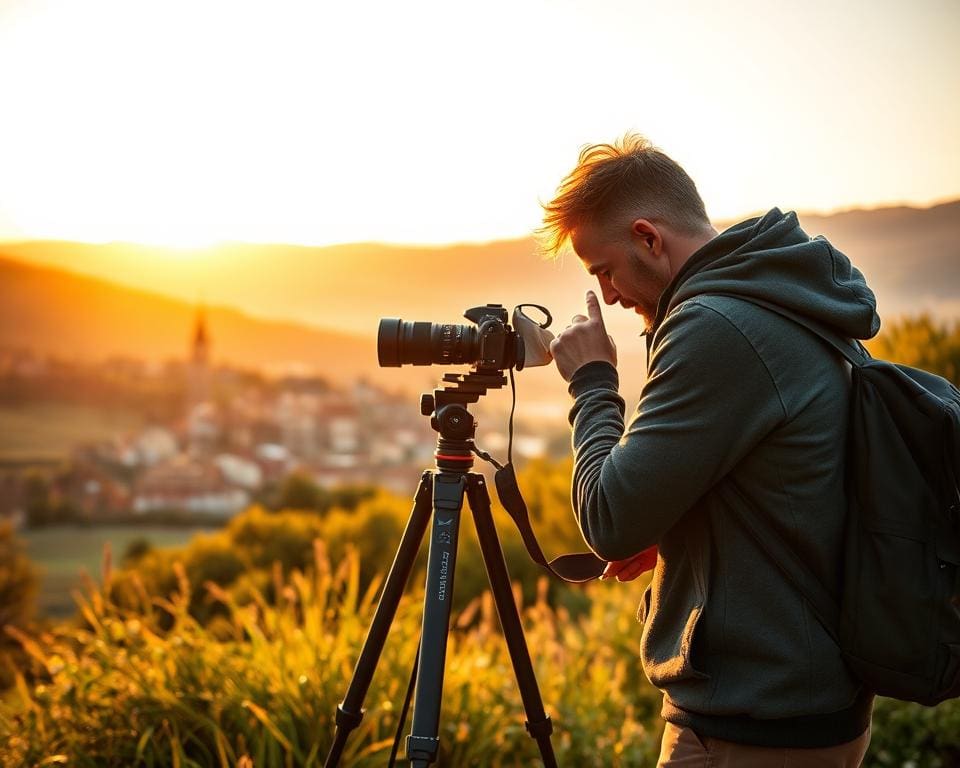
x: 646, y: 232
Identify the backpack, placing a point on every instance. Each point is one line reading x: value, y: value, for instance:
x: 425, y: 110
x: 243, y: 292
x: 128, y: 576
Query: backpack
x: 896, y: 618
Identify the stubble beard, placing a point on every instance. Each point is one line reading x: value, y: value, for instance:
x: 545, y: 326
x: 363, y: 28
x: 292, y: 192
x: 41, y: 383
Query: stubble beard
x: 649, y: 296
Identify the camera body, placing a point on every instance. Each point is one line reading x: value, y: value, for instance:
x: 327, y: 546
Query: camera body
x: 490, y: 344
x: 501, y: 347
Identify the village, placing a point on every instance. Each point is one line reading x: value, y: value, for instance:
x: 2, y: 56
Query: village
x: 213, y: 441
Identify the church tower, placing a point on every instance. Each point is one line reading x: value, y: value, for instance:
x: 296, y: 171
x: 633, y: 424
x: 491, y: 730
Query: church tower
x: 198, y: 366
x: 202, y: 423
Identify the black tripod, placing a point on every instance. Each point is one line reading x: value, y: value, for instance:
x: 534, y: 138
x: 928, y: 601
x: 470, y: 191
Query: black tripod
x: 440, y: 494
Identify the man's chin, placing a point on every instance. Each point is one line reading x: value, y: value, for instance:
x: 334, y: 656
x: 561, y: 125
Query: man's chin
x: 637, y: 309
x: 647, y: 318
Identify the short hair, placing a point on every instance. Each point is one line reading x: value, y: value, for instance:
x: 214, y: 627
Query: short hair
x: 611, y: 179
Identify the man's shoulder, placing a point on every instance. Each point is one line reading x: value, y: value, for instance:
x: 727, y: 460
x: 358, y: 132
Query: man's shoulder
x: 709, y: 318
x: 716, y: 316
x: 712, y: 326
x: 739, y: 312
x: 728, y: 334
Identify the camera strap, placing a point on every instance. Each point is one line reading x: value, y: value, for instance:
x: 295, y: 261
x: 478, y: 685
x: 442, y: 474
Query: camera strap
x: 575, y: 568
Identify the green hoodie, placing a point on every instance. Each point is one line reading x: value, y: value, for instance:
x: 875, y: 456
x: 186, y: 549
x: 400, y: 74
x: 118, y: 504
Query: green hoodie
x: 734, y: 392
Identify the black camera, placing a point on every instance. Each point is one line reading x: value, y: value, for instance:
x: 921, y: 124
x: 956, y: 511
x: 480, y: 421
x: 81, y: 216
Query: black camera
x: 489, y: 344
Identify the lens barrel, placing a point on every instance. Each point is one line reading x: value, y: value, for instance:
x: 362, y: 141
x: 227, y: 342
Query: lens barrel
x: 402, y: 342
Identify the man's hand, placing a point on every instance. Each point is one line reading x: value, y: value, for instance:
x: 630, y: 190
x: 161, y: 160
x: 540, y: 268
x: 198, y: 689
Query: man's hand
x: 629, y: 569
x: 584, y: 341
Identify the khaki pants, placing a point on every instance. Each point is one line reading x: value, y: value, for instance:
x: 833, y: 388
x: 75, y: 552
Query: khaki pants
x: 682, y: 748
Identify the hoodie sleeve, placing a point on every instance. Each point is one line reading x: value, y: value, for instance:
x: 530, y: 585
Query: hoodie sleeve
x: 708, y: 400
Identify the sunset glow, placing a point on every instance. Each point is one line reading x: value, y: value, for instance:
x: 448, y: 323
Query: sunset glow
x: 185, y: 123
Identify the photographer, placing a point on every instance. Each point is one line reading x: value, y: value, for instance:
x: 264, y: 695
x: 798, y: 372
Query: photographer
x: 741, y: 406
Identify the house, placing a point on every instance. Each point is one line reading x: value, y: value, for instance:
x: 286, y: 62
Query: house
x: 190, y: 485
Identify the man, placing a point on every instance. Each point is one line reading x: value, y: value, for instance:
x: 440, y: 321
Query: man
x: 742, y: 406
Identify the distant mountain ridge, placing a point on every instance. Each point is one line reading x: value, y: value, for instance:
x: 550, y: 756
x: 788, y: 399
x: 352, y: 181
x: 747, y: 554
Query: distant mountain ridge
x: 270, y: 306
x: 56, y: 312
x: 911, y: 257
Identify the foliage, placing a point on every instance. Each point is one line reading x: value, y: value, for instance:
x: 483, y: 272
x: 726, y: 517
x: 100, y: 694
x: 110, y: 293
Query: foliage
x: 236, y: 649
x: 299, y: 491
x: 263, y: 682
x: 42, y: 507
x: 911, y: 735
x: 921, y: 342
x: 18, y: 591
x: 18, y: 579
x: 373, y: 523
x: 136, y: 550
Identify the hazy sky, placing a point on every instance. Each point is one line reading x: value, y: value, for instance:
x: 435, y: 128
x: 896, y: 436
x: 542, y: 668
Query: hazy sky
x: 320, y: 122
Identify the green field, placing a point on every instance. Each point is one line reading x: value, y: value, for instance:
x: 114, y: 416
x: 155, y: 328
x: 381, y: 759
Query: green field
x: 38, y: 431
x: 63, y: 552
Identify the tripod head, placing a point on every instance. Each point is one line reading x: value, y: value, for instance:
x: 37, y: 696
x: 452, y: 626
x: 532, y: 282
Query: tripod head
x: 449, y: 416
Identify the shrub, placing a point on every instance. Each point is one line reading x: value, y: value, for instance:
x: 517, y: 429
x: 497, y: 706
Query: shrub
x: 18, y: 592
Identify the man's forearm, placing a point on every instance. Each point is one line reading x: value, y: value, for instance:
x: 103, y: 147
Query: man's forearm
x: 597, y: 420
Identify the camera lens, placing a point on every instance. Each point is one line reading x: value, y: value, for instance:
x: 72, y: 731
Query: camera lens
x: 402, y: 342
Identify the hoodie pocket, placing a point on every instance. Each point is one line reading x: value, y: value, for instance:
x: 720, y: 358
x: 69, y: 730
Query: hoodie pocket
x: 687, y: 644
x: 644, y: 609
x: 673, y: 638
x: 668, y: 643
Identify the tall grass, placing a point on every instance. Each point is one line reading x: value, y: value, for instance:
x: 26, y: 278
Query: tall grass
x: 211, y: 656
x: 259, y: 684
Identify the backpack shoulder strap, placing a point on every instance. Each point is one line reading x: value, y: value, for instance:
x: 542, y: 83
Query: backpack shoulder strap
x: 852, y: 350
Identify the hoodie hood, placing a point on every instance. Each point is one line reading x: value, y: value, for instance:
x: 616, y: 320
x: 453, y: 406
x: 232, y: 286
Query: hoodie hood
x: 770, y: 258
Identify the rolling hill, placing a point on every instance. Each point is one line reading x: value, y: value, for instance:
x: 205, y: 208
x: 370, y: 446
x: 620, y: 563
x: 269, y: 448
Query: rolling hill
x: 911, y: 257
x: 278, y: 305
x: 57, y: 312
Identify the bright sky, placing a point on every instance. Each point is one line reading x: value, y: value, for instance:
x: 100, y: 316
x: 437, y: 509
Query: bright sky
x: 320, y: 122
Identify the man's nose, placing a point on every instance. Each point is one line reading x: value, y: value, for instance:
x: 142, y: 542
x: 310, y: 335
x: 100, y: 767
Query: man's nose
x: 610, y: 296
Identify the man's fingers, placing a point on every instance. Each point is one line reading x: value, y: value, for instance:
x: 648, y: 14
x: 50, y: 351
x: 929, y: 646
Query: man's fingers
x: 579, y: 319
x: 631, y: 572
x: 593, y: 307
x: 631, y: 567
x: 612, y: 569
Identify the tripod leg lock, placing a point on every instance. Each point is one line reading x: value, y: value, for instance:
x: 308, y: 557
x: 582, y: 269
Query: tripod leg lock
x: 348, y: 720
x: 422, y: 748
x: 540, y: 729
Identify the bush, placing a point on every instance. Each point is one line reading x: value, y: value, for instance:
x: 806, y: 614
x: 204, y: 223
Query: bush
x: 921, y: 342
x: 18, y: 579
x: 18, y: 593
x: 911, y: 735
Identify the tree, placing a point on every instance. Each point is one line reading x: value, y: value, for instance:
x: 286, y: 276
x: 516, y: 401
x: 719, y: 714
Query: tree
x: 136, y: 550
x: 300, y: 492
x: 37, y: 500
x: 18, y: 580
x: 921, y: 342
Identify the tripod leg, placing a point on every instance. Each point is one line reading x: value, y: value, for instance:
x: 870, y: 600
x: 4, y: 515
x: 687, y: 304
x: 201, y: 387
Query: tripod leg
x: 350, y: 711
x: 423, y: 743
x: 538, y: 722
